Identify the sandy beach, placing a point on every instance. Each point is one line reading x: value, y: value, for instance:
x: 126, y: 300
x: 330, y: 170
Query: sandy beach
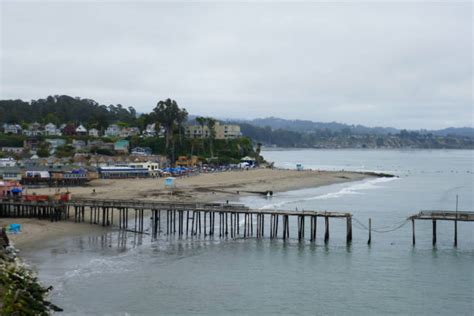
x: 209, y: 186
x: 35, y: 232
x: 202, y: 187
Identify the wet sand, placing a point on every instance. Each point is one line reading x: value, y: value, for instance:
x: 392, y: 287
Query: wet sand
x: 36, y: 232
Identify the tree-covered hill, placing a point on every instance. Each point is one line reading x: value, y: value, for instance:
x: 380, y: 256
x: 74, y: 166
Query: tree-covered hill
x: 345, y: 138
x: 63, y: 109
x: 306, y: 126
x: 270, y: 131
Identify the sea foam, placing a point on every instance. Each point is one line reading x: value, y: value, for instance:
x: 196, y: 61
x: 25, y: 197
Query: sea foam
x: 352, y: 189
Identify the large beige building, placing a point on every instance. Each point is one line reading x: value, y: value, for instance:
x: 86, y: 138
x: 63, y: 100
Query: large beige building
x: 222, y: 131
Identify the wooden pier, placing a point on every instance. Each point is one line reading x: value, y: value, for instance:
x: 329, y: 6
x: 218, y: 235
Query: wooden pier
x: 435, y: 216
x: 181, y: 219
x: 54, y: 211
x: 221, y: 220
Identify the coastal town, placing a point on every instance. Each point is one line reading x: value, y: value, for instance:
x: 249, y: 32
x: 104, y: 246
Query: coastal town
x: 236, y: 158
x: 71, y: 154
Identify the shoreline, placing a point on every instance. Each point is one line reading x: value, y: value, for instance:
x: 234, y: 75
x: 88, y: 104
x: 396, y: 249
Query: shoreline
x: 208, y: 187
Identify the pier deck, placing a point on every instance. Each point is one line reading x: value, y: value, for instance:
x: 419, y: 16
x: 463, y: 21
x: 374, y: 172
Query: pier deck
x: 174, y: 218
x: 199, y: 219
x: 444, y: 215
x: 440, y: 215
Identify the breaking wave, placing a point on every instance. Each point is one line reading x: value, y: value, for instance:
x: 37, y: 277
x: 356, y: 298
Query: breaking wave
x: 353, y: 189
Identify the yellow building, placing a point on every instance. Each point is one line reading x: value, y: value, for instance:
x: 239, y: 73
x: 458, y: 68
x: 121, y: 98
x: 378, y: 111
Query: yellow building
x: 184, y: 161
x: 225, y: 131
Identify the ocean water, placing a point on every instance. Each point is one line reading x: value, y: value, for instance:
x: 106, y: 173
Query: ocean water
x: 126, y: 274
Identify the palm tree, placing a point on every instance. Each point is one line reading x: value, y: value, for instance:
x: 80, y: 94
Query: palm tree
x: 257, y: 153
x: 201, y: 121
x: 180, y: 119
x: 168, y: 114
x: 211, y: 123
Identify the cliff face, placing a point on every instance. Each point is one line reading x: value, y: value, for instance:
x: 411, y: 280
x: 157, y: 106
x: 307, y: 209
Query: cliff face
x: 20, y: 291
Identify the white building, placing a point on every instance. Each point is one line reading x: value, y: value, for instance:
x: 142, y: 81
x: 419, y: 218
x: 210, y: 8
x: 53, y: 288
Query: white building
x: 153, y: 167
x: 12, y: 129
x: 141, y: 151
x: 81, y: 130
x: 10, y: 174
x: 113, y: 131
x: 51, y: 130
x: 14, y: 150
x: 150, y: 130
x: 93, y: 132
x: 7, y: 162
x: 33, y: 130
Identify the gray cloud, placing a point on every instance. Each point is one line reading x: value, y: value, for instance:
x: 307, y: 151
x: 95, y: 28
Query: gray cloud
x: 406, y: 65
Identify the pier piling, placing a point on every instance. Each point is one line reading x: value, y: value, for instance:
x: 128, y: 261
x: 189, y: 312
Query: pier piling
x: 370, y: 232
x: 326, y: 233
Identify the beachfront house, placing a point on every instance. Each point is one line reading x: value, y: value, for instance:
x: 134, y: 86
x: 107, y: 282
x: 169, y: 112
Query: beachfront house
x: 122, y: 172
x: 10, y: 174
x: 12, y: 129
x: 122, y: 146
x: 113, y: 130
x: 153, y: 167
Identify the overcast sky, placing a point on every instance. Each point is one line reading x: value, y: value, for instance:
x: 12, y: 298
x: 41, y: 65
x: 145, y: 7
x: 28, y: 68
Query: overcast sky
x: 405, y: 64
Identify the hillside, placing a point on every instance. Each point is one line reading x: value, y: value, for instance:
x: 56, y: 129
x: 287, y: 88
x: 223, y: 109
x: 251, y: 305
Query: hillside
x: 306, y: 126
x: 307, y: 134
x: 269, y: 131
x: 62, y: 109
